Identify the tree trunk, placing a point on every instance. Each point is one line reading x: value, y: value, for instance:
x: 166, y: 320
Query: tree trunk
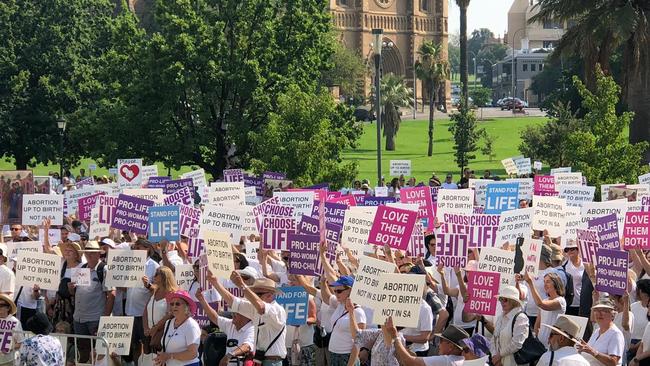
x: 21, y: 162
x: 432, y: 110
x: 389, y: 130
x: 463, y: 54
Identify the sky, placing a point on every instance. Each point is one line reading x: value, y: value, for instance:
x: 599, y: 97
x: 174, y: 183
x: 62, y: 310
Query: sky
x: 491, y: 14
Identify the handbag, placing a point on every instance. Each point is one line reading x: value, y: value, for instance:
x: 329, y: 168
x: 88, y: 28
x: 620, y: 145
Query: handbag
x: 532, y: 348
x: 152, y: 343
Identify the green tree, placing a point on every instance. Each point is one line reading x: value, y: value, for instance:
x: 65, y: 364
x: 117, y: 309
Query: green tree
x: 46, y: 52
x: 463, y: 5
x: 394, y: 95
x: 466, y: 136
x: 305, y: 139
x: 475, y: 44
x: 347, y: 69
x: 488, y: 145
x: 481, y: 96
x: 453, y: 57
x: 433, y: 70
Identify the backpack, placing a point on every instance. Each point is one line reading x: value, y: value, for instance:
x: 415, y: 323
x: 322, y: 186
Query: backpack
x: 63, y: 291
x: 100, y: 271
x: 568, y: 289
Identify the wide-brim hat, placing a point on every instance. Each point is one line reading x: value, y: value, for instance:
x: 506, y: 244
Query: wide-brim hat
x: 566, y: 327
x: 556, y: 253
x: 604, y: 304
x: 454, y: 335
x: 265, y: 285
x: 73, y: 245
x: 92, y: 247
x: 109, y: 242
x: 183, y: 295
x: 9, y: 301
x: 511, y: 293
x: 571, y: 243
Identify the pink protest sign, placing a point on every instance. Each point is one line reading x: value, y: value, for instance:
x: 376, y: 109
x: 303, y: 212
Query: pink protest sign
x: 482, y: 290
x: 635, y: 231
x: 422, y: 197
x: 544, y: 185
x: 107, y: 205
x: 588, y: 243
x: 86, y: 205
x: 392, y: 226
x: 276, y: 230
x: 346, y: 200
x: 331, y: 195
x: 189, y: 220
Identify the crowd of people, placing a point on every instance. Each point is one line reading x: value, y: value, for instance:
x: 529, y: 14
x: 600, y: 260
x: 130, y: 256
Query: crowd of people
x: 553, y: 318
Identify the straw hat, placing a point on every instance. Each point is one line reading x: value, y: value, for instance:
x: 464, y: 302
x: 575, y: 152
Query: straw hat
x: 265, y: 284
x: 11, y: 303
x: 556, y: 253
x: 92, y: 247
x: 511, y: 293
x: 566, y: 327
x: 73, y: 245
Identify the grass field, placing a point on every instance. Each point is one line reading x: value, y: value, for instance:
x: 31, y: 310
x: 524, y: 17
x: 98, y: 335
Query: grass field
x: 412, y: 141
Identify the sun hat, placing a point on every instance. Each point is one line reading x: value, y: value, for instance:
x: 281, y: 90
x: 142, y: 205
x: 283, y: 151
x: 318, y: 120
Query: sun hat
x: 571, y: 243
x: 73, y: 245
x: 74, y: 236
x: 9, y: 301
x: 545, y: 254
x: 511, y: 293
x: 477, y: 344
x: 247, y: 272
x: 343, y: 281
x: 604, y: 304
x: 264, y: 285
x: 556, y: 252
x: 454, y: 335
x: 566, y: 327
x: 107, y: 241
x: 183, y: 295
x: 92, y: 247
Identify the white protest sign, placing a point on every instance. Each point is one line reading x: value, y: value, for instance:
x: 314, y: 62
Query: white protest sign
x: 573, y: 222
x: 404, y: 206
x: 38, y: 207
x: 197, y: 176
x: 250, y: 224
x: 53, y: 235
x: 92, y: 167
x: 455, y: 201
x: 642, y: 189
x: 556, y: 171
x: 43, y: 270
x: 111, y: 189
x: 365, y: 289
x: 80, y: 276
x: 356, y: 228
x: 184, y: 274
x: 510, y: 166
x: 252, y: 247
x: 219, y: 252
x: 399, y: 167
x: 381, y: 191
x: 549, y: 215
x: 400, y: 296
x: 152, y: 194
x: 537, y: 165
x: 117, y: 331
x: 644, y: 179
x: 224, y: 219
x: 72, y: 197
x: 604, y: 190
x: 498, y: 261
x: 96, y: 228
x: 480, y: 189
x: 13, y: 247
x: 531, y: 249
x: 227, y: 194
x: 149, y: 171
x: 125, y: 268
x: 576, y: 195
x: 129, y: 173
x: 526, y: 187
x: 568, y: 179
x: 301, y: 201
x: 523, y: 166
x: 594, y: 210
x: 514, y: 224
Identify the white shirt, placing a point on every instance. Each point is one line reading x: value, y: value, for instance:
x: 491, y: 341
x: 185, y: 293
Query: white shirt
x: 531, y: 307
x: 136, y: 298
x: 565, y: 356
x: 646, y: 338
x: 627, y: 334
x: 444, y: 360
x: 7, y: 281
x: 245, y: 335
x: 156, y: 310
x: 425, y: 324
x: 269, y: 325
x: 640, y: 319
x: 451, y: 185
x: 576, y: 276
x: 505, y: 342
x: 549, y: 317
x: 610, y: 343
x: 179, y: 339
x: 341, y: 341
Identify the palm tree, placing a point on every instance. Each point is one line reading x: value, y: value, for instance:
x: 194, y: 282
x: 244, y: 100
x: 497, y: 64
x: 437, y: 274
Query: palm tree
x: 394, y: 94
x: 599, y: 28
x: 463, y: 5
x: 432, y: 69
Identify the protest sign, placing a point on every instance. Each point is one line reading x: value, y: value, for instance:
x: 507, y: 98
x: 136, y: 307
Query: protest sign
x: 183, y: 196
x: 510, y: 166
x: 526, y: 187
x: 117, y: 331
x: 224, y: 219
x: 38, y: 207
x: 227, y: 194
x: 548, y: 214
x: 356, y: 228
x: 86, y: 205
x: 477, y: 230
x: 7, y: 345
x: 514, y: 224
x: 197, y: 177
x: 252, y: 248
x: 43, y: 270
x: 53, y: 235
x: 80, y: 276
x: 645, y: 178
x: 275, y: 231
x: 13, y: 247
x: 480, y: 189
x: 381, y: 191
x: 129, y: 173
x: 636, y: 231
x: 252, y: 198
x: 44, y: 184
x: 523, y: 166
x: 451, y: 249
x: 172, y: 186
x: 184, y: 274
x: 537, y: 165
x: 573, y: 222
x: 189, y: 221
x: 454, y: 201
x: 417, y: 247
x: 365, y: 289
x: 544, y: 185
x: 482, y: 291
x: 399, y: 297
x: 422, y: 197
x: 594, y: 210
x: 278, y: 184
x: 219, y: 252
x: 568, y: 179
x: 308, y: 225
x: 531, y: 250
x: 303, y: 254
x: 195, y: 249
x: 301, y: 201
x: 157, y: 182
x: 604, y: 190
x: 576, y: 195
x: 86, y: 181
x: 163, y: 223
x: 295, y: 301
x: 131, y: 214
x: 611, y: 271
x: 125, y: 268
x: 555, y: 171
x: 334, y: 212
x: 501, y: 197
x: 348, y: 200
x: 392, y: 226
x: 400, y: 167
x: 155, y: 195
x: 274, y: 175
x: 588, y: 244
x: 625, y: 193
x: 498, y: 261
x: 641, y: 189
x: 71, y: 198
x: 252, y: 181
x: 149, y: 171
x: 377, y: 201
x: 233, y: 175
x: 607, y: 229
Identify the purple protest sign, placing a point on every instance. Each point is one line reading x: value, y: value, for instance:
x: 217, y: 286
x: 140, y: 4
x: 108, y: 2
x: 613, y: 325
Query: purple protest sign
x: 274, y: 175
x: 86, y: 205
x: 332, y: 195
x: 378, y: 201
x: 482, y: 291
x: 451, y: 249
x: 252, y: 181
x: 183, y: 196
x: 275, y: 231
x: 635, y: 231
x: 392, y: 226
x: 132, y: 214
x: 107, y: 205
x: 434, y: 194
x: 172, y: 186
x: 607, y: 228
x: 334, y: 212
x: 303, y: 254
x: 157, y: 182
x: 587, y: 240
x: 333, y: 233
x: 233, y: 175
x: 308, y: 225
x: 195, y: 247
x: 611, y: 271
x: 88, y: 181
x: 420, y: 196
x: 268, y: 208
x: 189, y: 221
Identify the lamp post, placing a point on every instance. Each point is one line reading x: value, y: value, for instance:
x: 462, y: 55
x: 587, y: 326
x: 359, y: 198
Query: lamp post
x: 415, y: 87
x: 60, y: 123
x: 376, y: 48
x: 512, y: 69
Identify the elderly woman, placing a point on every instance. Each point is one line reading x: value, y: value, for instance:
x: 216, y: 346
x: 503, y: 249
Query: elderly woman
x: 181, y: 334
x: 375, y: 339
x: 7, y: 311
x: 549, y: 308
x: 42, y: 349
x: 508, y: 339
x: 155, y: 312
x: 607, y: 344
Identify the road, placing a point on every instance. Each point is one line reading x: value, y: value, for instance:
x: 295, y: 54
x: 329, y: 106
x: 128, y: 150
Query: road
x: 488, y: 112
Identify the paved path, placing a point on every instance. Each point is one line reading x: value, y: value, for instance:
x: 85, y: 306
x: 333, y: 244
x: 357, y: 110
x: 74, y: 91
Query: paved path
x: 488, y: 112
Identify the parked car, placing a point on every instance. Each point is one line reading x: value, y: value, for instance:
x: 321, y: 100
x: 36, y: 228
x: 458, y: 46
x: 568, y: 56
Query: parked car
x: 516, y: 103
x: 364, y: 113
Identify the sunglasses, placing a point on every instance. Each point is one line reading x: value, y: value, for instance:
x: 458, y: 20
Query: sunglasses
x: 285, y: 258
x: 341, y: 291
x: 15, y: 229
x: 566, y: 250
x: 260, y: 294
x: 503, y: 299
x: 4, y: 306
x: 177, y: 303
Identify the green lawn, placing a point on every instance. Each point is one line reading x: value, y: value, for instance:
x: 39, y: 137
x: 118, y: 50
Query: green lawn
x: 412, y: 141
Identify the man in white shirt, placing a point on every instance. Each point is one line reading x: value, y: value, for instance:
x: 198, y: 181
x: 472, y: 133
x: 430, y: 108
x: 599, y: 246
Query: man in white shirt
x: 450, y: 351
x: 7, y: 277
x: 448, y: 183
x: 562, y: 352
x: 574, y: 268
